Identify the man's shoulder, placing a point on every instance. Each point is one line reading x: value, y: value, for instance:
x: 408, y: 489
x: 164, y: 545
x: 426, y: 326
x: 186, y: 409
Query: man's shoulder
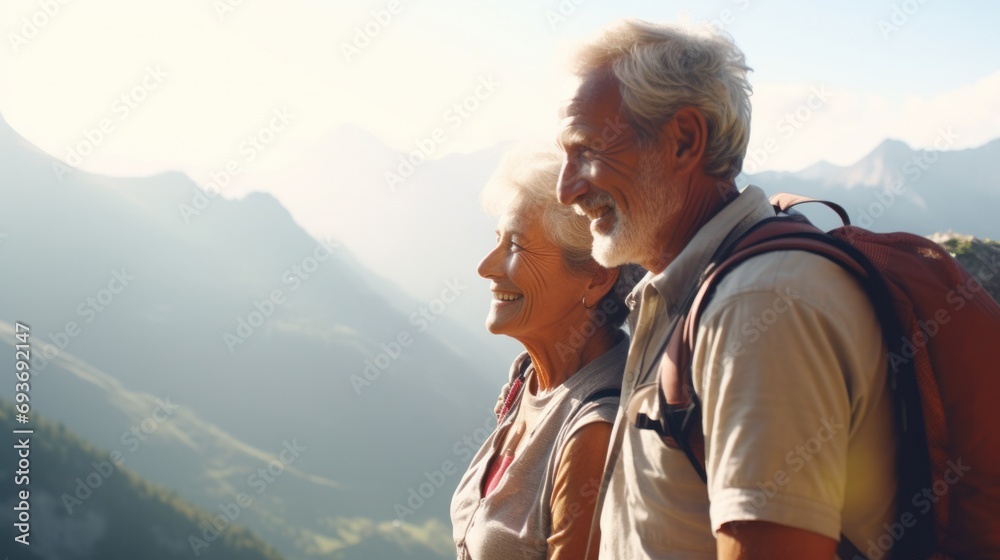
x: 797, y: 276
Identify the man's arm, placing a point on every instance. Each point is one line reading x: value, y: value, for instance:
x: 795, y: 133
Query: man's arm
x: 783, y: 363
x: 574, y: 496
x: 762, y: 540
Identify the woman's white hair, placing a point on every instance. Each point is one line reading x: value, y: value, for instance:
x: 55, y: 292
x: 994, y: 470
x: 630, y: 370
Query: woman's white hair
x: 531, y: 171
x: 662, y: 68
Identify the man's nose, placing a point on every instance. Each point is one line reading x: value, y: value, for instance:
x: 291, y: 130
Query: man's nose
x: 570, y: 186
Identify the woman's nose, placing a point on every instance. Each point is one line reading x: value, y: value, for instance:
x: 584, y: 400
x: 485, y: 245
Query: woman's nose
x: 488, y: 266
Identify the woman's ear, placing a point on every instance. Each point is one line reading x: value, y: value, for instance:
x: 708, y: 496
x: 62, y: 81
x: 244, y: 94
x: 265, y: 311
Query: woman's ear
x: 600, y: 284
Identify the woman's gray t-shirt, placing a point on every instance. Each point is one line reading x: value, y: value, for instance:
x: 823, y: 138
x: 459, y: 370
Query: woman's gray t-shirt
x: 514, y: 520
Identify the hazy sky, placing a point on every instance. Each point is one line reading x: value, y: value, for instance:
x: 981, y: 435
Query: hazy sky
x: 200, y: 76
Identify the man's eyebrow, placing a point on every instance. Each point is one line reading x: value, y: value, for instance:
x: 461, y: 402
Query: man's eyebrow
x: 510, y: 231
x: 571, y: 136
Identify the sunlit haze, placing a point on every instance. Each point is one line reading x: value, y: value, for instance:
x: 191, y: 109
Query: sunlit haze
x: 228, y: 63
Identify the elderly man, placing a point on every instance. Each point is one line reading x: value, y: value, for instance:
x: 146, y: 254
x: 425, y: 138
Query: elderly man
x: 789, y: 362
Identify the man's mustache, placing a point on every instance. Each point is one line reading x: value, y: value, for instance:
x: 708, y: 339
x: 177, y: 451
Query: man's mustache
x: 591, y: 202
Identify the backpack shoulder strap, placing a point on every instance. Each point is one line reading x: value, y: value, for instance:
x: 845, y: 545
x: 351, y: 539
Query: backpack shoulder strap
x: 783, y: 202
x: 603, y: 394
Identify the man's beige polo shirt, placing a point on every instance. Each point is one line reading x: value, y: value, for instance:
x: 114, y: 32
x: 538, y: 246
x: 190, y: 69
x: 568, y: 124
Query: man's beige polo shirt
x: 790, y: 366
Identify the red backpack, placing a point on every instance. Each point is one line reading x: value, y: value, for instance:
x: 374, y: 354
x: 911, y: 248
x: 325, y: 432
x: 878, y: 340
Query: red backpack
x: 940, y: 327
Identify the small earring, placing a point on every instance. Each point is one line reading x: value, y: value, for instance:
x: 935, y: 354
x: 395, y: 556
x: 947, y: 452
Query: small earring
x: 583, y: 300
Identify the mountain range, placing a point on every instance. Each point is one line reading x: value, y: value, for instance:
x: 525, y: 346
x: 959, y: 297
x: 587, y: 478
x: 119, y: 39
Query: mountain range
x: 130, y: 303
x: 897, y: 188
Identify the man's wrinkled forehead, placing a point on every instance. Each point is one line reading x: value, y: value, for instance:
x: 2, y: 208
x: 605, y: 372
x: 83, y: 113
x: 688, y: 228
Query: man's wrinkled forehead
x: 588, y: 92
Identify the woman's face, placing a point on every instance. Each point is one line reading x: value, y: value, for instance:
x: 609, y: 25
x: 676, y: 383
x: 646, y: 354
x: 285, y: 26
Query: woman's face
x: 535, y: 298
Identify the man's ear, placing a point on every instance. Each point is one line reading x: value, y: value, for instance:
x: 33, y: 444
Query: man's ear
x: 686, y: 136
x: 600, y: 284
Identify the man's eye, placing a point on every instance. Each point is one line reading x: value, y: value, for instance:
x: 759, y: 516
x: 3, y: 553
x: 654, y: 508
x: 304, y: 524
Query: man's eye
x: 510, y: 243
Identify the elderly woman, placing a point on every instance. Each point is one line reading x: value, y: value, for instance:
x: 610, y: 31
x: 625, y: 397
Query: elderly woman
x: 530, y: 491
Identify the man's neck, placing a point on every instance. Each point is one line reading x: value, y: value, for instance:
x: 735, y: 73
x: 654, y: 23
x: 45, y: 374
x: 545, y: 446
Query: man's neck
x: 675, y: 237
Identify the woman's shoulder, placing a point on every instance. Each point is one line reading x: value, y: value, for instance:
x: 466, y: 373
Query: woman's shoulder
x: 597, y: 397
x: 602, y: 374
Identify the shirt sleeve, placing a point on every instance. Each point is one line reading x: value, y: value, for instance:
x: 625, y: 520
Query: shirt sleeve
x: 775, y: 352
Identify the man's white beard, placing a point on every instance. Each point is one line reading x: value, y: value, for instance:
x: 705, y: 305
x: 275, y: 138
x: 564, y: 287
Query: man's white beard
x: 633, y: 239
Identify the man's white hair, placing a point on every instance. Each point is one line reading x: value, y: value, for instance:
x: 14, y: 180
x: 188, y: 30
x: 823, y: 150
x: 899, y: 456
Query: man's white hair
x: 662, y: 68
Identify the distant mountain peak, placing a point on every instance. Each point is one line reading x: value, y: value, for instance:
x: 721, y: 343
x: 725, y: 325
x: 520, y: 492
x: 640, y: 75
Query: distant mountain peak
x: 881, y: 167
x: 889, y: 151
x: 891, y: 145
